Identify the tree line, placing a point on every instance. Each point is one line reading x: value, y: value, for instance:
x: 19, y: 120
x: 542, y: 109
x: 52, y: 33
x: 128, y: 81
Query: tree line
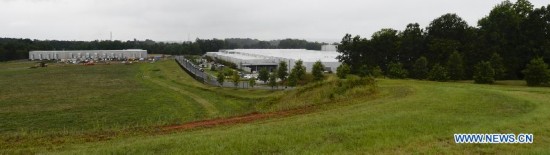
x: 14, y: 49
x: 506, y: 40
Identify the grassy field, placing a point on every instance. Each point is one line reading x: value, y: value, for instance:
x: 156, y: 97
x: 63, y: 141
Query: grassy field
x: 114, y: 109
x: 75, y: 103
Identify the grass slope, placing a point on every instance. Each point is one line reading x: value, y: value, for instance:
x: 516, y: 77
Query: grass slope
x: 409, y: 117
x: 406, y: 116
x: 74, y: 103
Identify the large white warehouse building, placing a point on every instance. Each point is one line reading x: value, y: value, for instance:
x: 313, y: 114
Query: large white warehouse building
x: 254, y: 59
x: 88, y: 54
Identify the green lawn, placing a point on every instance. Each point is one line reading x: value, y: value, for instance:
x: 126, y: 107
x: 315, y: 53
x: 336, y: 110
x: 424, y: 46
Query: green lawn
x: 405, y: 116
x: 76, y: 103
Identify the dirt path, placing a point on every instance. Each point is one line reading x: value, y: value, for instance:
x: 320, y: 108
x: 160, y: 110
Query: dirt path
x: 235, y: 120
x: 210, y: 108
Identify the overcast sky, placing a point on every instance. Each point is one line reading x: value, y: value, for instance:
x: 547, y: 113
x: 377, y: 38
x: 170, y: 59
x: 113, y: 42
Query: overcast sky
x: 178, y: 20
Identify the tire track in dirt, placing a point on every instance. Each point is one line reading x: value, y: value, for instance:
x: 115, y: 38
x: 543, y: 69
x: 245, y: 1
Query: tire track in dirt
x: 234, y: 120
x: 248, y: 118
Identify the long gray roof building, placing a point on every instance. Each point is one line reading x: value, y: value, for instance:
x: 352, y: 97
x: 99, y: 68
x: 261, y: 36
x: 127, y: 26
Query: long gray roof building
x: 88, y: 54
x: 270, y: 58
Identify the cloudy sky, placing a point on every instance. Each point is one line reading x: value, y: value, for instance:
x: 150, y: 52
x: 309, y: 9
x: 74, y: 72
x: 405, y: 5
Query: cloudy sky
x: 178, y: 20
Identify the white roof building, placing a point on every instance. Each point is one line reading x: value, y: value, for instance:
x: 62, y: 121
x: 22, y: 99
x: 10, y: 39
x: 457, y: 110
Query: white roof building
x: 329, y: 48
x: 257, y: 58
x: 88, y: 54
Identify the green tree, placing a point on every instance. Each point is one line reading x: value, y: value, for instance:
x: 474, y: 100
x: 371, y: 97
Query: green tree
x: 537, y: 72
x: 507, y: 30
x: 236, y: 78
x: 455, y: 66
x: 252, y: 82
x: 420, y: 68
x: 282, y: 71
x: 396, y: 71
x: 384, y: 44
x: 263, y: 75
x: 523, y: 7
x: 438, y: 73
x: 220, y: 78
x: 484, y: 73
x: 498, y: 66
x: 352, y: 52
x: 448, y: 26
x: 450, y: 33
x: 273, y: 80
x: 412, y: 45
x: 317, y: 71
x: 299, y: 70
x: 292, y: 80
x: 441, y: 49
x: 342, y: 71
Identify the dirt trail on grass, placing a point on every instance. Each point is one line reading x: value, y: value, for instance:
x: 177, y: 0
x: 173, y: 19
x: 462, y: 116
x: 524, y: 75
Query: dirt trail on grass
x: 235, y: 120
x: 210, y: 108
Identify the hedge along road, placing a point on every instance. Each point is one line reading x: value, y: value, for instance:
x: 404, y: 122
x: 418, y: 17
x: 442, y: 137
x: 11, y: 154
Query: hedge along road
x: 210, y: 108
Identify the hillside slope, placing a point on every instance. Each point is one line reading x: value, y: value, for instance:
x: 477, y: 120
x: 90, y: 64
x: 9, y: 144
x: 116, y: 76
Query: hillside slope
x: 409, y: 117
x: 42, y: 113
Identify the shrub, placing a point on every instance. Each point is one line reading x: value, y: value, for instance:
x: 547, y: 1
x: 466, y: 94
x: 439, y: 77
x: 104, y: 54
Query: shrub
x: 317, y: 71
x: 236, y: 78
x: 353, y: 81
x: 252, y: 82
x: 484, y: 73
x: 377, y: 72
x: 299, y: 70
x: 220, y: 78
x: 420, y: 68
x: 438, y: 73
x: 263, y: 75
x: 227, y: 71
x: 343, y: 70
x: 273, y: 80
x: 396, y: 71
x: 536, y: 72
x: 282, y: 71
x: 292, y: 80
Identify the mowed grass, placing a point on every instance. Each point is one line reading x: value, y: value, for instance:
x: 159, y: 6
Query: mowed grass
x: 408, y: 117
x: 75, y: 103
x: 404, y: 117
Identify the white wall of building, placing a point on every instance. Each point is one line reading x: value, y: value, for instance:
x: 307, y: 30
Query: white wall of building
x: 274, y: 56
x: 328, y: 48
x: 87, y: 54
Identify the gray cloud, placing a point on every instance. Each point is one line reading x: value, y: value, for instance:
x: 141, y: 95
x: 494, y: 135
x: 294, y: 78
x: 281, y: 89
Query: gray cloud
x: 174, y: 20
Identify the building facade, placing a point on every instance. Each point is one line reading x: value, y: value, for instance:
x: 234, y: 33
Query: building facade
x: 255, y: 59
x: 88, y: 54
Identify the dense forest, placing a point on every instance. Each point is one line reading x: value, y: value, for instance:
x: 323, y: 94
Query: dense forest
x: 13, y: 49
x: 510, y: 36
